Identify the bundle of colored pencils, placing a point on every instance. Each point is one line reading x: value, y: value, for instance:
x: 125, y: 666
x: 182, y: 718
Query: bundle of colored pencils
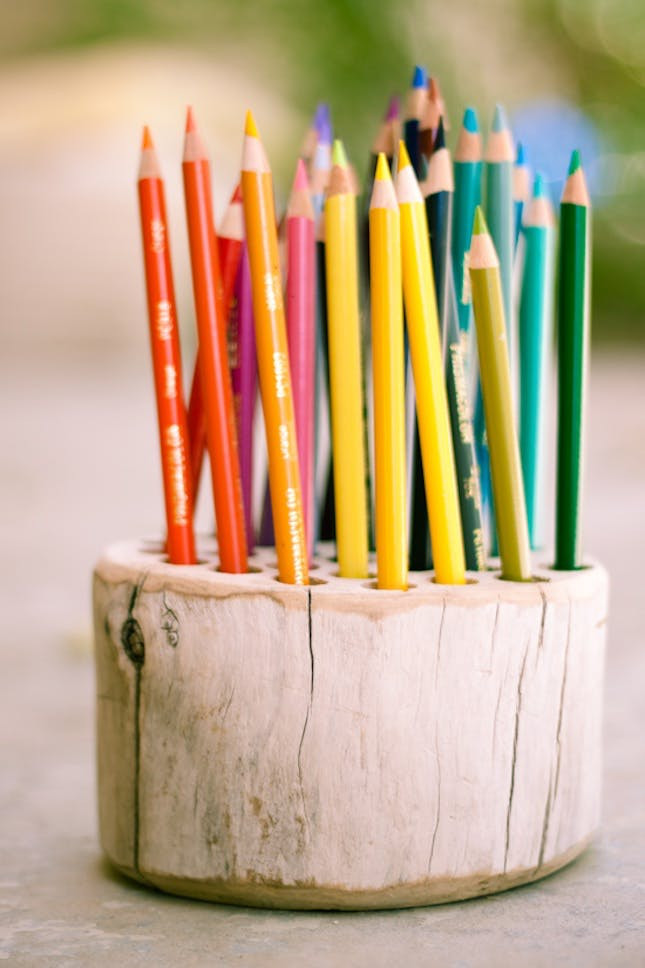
x: 432, y: 252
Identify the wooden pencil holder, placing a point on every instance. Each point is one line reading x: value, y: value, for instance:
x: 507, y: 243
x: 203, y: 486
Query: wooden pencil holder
x: 336, y: 746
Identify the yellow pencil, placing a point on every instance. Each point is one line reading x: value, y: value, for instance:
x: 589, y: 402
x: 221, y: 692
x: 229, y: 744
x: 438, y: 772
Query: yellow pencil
x: 430, y: 390
x: 273, y: 359
x: 345, y: 383
x: 388, y: 375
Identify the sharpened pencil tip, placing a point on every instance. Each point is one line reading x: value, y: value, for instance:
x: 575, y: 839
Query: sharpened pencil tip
x: 575, y: 162
x: 146, y: 139
x: 470, y: 121
x: 539, y: 188
x: 419, y: 78
x: 301, y: 182
x: 382, y: 172
x: 499, y: 119
x: 520, y: 157
x: 479, y: 222
x: 237, y: 193
x: 440, y: 137
x: 338, y: 156
x: 250, y: 127
x: 191, y: 124
x: 404, y: 157
x: 393, y: 109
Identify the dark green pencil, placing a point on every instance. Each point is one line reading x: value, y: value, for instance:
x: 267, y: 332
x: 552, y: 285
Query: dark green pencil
x: 573, y: 339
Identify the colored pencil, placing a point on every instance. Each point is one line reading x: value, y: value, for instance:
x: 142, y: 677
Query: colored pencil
x: 273, y: 359
x: 498, y: 169
x: 213, y: 354
x: 414, y: 107
x: 535, y: 335
x: 345, y: 379
x: 166, y: 359
x: 310, y: 141
x: 521, y: 190
x: 467, y: 175
x: 387, y: 137
x: 241, y: 347
x: 438, y: 190
x: 388, y: 377
x: 428, y: 126
x: 495, y: 374
x: 431, y: 403
x: 573, y: 339
x: 301, y: 334
x: 229, y: 247
x: 499, y: 159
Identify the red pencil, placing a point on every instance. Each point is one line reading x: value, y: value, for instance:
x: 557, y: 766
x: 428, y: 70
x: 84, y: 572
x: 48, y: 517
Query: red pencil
x: 166, y: 358
x: 301, y: 310
x: 213, y: 361
x: 229, y: 245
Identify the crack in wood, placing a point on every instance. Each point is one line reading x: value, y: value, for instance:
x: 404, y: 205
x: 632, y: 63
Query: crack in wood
x: 436, y: 668
x: 545, y: 825
x: 558, y: 735
x: 309, y: 705
x: 518, y: 711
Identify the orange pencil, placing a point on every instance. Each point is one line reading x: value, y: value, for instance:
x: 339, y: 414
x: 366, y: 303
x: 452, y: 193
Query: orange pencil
x: 215, y: 377
x: 166, y: 359
x: 229, y: 245
x: 273, y: 359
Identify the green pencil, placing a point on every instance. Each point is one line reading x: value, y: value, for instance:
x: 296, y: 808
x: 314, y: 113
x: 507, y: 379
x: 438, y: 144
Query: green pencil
x: 573, y: 338
x: 535, y: 332
x: 495, y: 377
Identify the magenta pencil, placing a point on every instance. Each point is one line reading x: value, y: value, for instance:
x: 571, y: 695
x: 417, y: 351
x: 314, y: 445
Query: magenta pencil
x: 241, y: 336
x: 300, y: 310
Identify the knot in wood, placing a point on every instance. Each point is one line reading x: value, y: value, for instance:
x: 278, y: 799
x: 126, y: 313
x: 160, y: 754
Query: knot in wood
x: 132, y: 641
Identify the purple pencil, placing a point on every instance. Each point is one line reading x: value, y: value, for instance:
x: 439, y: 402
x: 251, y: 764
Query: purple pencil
x: 301, y: 334
x: 244, y: 380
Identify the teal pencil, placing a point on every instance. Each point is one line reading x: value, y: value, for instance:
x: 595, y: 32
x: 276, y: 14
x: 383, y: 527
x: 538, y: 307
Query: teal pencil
x: 467, y: 172
x: 535, y: 335
x: 499, y: 159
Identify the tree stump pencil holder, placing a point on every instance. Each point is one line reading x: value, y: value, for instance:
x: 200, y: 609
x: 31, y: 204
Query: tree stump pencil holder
x: 340, y: 747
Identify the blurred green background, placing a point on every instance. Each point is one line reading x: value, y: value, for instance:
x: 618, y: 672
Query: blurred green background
x: 78, y: 78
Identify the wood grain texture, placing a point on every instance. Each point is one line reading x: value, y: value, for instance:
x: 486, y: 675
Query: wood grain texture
x: 342, y: 747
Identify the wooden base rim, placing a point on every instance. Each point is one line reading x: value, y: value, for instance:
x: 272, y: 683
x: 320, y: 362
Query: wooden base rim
x: 319, y: 897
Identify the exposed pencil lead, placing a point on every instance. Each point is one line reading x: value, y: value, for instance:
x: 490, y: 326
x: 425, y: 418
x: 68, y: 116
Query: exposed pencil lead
x: 575, y: 162
x: 479, y: 223
x: 301, y: 182
x: 499, y: 119
x: 470, y: 121
x: 146, y: 140
x: 419, y: 78
x: 190, y: 120
x: 440, y: 137
x: 250, y: 127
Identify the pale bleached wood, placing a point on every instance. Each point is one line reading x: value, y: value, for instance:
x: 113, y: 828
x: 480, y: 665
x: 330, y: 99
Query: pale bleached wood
x: 339, y: 746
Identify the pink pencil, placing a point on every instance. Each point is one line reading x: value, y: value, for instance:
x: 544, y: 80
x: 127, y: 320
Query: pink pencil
x: 241, y: 346
x: 300, y: 309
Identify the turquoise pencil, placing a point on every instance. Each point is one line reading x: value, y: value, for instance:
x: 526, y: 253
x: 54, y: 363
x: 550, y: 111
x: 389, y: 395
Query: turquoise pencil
x: 467, y: 172
x: 535, y: 336
x: 499, y: 159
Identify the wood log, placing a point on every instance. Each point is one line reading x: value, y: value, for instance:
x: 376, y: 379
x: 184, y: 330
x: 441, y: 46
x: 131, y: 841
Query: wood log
x: 337, y: 746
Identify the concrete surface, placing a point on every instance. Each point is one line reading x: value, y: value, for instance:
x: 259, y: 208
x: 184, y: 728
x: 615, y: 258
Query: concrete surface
x: 80, y: 470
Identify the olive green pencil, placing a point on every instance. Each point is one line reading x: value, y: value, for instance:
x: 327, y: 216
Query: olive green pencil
x: 495, y: 376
